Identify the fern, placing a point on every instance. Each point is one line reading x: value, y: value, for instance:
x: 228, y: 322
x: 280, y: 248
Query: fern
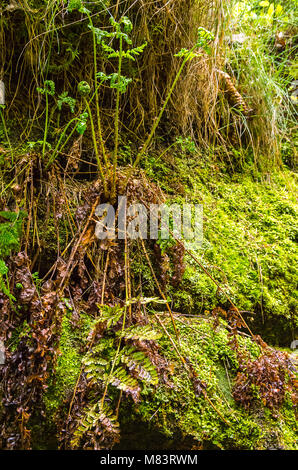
x: 98, y: 359
x: 10, y: 231
x: 76, y: 5
x: 109, y: 364
x: 67, y: 100
x: 140, y: 364
x: 123, y: 82
x: 49, y: 88
x: 98, y: 420
x: 98, y: 363
x: 95, y: 369
x: 125, y: 382
x: 143, y: 333
x: 130, y: 54
x: 110, y: 315
x: 204, y: 38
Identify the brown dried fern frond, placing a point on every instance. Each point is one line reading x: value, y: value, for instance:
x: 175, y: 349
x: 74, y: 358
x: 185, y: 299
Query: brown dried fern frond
x: 234, y: 97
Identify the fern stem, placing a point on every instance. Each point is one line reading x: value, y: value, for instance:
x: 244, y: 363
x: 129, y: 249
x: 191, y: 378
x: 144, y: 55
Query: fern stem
x: 114, y: 360
x: 115, y: 155
x: 126, y: 261
x: 54, y: 154
x: 160, y: 290
x: 46, y: 126
x: 100, y: 169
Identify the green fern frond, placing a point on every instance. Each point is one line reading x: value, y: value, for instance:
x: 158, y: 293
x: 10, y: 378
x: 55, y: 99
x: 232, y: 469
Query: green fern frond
x: 141, y: 333
x: 125, y: 382
x: 67, y: 100
x: 111, y: 315
x: 3, y: 268
x: 99, y: 417
x: 95, y: 368
x: 123, y: 83
x: 131, y: 53
x: 140, y: 364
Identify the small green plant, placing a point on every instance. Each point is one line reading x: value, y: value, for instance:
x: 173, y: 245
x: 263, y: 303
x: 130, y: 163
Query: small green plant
x: 48, y: 90
x: 37, y: 281
x: 38, y: 144
x: 4, y: 281
x: 64, y: 99
x: 115, y: 44
x: 104, y: 40
x: 186, y: 145
x: 117, y: 81
x: 10, y: 232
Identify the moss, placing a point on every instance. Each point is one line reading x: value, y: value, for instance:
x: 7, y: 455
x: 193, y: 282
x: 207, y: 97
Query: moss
x: 172, y: 409
x: 250, y: 242
x: 68, y: 367
x: 23, y: 330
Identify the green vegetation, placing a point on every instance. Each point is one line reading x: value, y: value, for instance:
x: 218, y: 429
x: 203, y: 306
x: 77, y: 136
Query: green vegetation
x: 176, y: 410
x: 67, y: 368
x: 154, y: 337
x: 172, y: 407
x: 250, y: 237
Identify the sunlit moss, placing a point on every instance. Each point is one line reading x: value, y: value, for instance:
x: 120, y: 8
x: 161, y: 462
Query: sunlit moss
x: 67, y: 370
x: 249, y: 246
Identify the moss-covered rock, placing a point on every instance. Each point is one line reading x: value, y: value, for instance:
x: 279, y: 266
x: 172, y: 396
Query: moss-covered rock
x: 250, y: 242
x: 172, y: 410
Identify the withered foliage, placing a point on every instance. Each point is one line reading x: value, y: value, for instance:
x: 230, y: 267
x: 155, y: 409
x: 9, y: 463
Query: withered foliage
x: 26, y: 370
x: 268, y: 378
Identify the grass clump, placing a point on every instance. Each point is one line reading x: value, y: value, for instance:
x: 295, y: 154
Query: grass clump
x: 176, y: 410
